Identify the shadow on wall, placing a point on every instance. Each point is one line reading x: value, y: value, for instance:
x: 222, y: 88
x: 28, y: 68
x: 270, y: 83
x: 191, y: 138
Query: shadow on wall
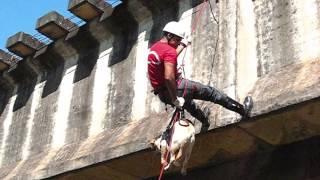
x: 4, y: 99
x: 124, y: 28
x: 27, y: 80
x: 163, y: 12
x: 53, y: 63
x: 87, y: 48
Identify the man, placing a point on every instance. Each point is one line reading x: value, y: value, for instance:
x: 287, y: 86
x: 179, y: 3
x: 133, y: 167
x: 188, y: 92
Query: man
x: 174, y: 90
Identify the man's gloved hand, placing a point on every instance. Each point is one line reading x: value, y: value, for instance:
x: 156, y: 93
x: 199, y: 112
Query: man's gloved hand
x: 179, y: 102
x: 186, y: 41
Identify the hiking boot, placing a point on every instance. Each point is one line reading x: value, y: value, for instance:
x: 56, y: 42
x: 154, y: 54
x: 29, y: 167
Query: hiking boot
x: 248, y: 105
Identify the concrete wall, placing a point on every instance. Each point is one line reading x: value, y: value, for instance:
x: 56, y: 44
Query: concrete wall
x: 94, y: 80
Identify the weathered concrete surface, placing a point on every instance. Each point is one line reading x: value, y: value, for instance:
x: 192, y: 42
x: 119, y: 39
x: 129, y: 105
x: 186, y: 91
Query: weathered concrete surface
x: 82, y: 105
x: 87, y: 9
x: 23, y: 44
x: 292, y: 84
x: 4, y: 60
x: 54, y: 25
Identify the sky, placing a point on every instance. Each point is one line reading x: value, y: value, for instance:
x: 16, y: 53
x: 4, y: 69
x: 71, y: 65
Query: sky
x: 22, y: 15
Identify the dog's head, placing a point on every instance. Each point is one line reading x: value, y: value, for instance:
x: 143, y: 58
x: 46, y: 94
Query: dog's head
x: 152, y: 144
x: 159, y: 144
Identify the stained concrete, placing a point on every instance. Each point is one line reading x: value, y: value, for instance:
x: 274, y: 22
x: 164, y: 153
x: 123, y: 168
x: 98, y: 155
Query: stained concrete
x: 81, y: 107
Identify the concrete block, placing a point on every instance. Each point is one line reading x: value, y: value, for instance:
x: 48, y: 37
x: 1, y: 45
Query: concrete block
x: 6, y: 60
x: 4, y: 64
x: 87, y: 9
x: 23, y: 44
x: 54, y: 25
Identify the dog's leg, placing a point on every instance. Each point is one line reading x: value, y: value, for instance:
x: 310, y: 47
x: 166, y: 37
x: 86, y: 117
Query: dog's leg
x: 181, y: 151
x: 172, y: 158
x: 174, y: 150
x: 180, y: 154
x: 177, y: 162
x: 163, y: 159
x: 170, y: 161
x: 187, y: 156
x: 164, y: 151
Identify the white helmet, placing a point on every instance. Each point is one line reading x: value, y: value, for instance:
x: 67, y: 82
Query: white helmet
x: 174, y: 27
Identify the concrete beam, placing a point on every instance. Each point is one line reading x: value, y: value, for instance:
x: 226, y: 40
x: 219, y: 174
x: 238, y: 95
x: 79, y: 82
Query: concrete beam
x: 23, y: 44
x: 54, y: 25
x: 87, y: 9
x: 4, y: 60
x: 3, y: 65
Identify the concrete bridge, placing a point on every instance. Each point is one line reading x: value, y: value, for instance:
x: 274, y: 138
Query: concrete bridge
x: 81, y: 107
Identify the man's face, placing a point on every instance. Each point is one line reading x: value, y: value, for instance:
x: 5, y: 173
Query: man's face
x: 175, y: 41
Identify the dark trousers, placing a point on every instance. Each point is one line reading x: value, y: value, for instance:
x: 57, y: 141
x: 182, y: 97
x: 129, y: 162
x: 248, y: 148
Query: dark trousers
x: 190, y: 90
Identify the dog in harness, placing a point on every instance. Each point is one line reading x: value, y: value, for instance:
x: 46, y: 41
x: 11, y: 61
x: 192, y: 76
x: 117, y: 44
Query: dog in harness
x: 180, y: 148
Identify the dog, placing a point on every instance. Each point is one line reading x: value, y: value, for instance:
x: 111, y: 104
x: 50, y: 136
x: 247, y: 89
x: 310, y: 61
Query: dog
x: 182, y: 141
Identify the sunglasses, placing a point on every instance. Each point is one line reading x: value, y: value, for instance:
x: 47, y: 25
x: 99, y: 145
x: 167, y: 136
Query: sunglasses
x: 177, y: 38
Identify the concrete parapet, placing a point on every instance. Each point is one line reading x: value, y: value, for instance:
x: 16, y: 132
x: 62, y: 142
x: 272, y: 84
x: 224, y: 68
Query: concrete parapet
x: 54, y: 25
x: 87, y: 9
x: 23, y: 44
